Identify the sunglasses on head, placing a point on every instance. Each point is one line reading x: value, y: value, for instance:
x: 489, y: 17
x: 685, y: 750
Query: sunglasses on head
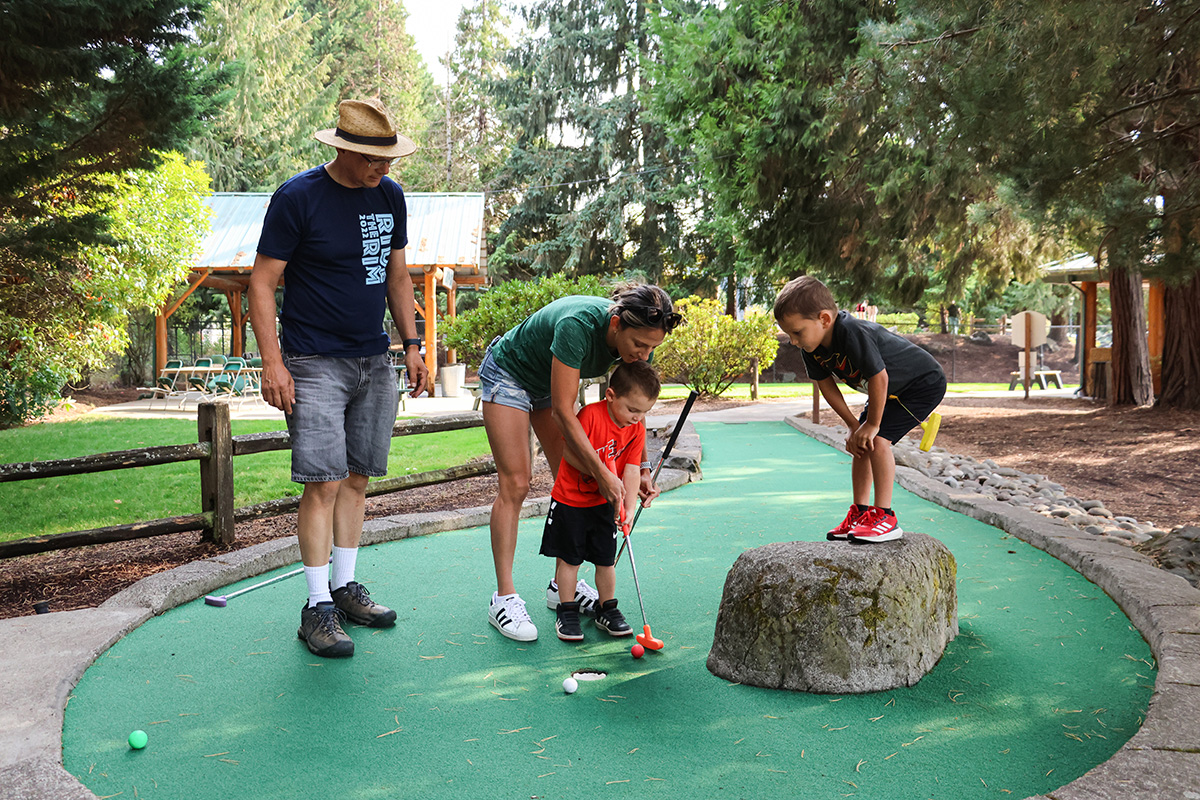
x: 653, y: 315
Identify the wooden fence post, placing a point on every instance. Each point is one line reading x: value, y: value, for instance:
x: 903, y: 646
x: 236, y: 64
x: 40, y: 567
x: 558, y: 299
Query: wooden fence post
x: 216, y: 471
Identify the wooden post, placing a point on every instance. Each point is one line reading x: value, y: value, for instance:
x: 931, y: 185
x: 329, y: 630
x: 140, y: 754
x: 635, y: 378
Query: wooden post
x: 451, y: 312
x: 1028, y: 363
x: 1090, y: 297
x: 1157, y: 333
x: 816, y: 412
x: 216, y: 471
x: 754, y: 378
x: 160, y: 343
x: 431, y: 341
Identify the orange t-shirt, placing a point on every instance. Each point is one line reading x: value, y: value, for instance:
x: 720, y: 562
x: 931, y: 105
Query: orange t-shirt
x: 623, y: 445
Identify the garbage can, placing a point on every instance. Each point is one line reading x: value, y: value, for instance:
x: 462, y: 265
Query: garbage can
x: 453, y: 377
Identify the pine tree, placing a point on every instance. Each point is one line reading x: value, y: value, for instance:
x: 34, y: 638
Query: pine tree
x: 593, y: 173
x: 1090, y: 123
x: 280, y: 94
x: 87, y: 91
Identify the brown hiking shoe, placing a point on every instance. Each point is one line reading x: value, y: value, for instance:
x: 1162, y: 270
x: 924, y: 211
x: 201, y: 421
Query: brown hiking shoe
x: 321, y: 630
x: 355, y: 602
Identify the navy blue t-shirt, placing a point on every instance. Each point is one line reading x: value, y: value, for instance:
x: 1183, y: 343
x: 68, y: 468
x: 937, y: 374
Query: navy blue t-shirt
x: 336, y: 242
x: 860, y: 350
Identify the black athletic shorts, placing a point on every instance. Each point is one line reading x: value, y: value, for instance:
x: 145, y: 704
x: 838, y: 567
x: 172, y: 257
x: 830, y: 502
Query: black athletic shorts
x: 580, y: 534
x: 920, y: 398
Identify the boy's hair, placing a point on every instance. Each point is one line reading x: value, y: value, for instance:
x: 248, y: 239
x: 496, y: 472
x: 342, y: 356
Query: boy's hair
x: 806, y: 297
x: 638, y: 375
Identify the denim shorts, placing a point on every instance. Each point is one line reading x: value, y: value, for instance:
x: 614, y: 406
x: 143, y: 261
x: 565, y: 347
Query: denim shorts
x: 497, y: 386
x: 342, y: 419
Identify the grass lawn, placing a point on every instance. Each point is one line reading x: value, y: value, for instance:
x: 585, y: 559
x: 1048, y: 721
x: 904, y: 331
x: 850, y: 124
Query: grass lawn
x: 80, y: 502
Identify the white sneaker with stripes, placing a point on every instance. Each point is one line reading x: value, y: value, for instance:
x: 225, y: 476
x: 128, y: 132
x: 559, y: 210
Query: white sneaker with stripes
x: 589, y: 598
x: 508, y: 615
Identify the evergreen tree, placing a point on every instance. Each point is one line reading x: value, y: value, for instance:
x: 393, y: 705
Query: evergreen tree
x: 471, y: 138
x: 593, y: 173
x: 280, y: 94
x: 294, y: 61
x: 1087, y: 110
x: 87, y: 90
x: 820, y: 167
x: 371, y: 54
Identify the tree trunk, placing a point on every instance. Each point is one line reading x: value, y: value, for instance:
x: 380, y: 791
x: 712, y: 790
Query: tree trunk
x: 1058, y: 326
x: 1181, y: 346
x: 1131, y: 378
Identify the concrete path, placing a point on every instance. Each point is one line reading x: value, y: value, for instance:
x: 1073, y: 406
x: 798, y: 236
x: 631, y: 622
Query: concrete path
x: 45, y: 655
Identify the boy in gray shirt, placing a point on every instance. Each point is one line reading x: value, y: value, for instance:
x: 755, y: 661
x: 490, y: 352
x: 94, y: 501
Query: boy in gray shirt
x: 903, y: 383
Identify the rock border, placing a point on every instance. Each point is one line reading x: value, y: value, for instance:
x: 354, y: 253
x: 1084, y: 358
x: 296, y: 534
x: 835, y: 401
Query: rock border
x: 1161, y: 760
x: 47, y: 654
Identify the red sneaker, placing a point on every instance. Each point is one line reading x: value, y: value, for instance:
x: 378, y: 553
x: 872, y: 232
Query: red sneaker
x: 876, y: 526
x: 842, y: 531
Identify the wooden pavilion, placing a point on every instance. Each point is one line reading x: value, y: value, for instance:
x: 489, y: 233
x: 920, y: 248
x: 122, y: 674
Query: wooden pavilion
x: 1084, y: 274
x: 445, y: 248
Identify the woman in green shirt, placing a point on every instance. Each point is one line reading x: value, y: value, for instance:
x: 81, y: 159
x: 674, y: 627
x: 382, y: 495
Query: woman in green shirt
x: 530, y: 376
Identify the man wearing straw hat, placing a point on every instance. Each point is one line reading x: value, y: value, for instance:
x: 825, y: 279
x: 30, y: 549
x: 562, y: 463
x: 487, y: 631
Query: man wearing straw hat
x: 337, y: 233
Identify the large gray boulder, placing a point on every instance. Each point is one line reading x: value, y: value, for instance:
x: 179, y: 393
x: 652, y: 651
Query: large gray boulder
x: 834, y: 617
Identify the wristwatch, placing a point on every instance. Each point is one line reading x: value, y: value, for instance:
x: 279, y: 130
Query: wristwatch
x: 646, y: 465
x: 411, y: 343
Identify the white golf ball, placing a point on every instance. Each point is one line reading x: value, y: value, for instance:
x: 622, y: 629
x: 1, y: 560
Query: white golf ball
x: 570, y: 685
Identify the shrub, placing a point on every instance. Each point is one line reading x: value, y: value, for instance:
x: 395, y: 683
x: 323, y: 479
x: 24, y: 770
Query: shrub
x: 507, y: 305
x: 711, y: 350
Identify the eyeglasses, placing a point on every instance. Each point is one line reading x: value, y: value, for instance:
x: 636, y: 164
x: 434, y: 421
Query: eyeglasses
x: 653, y: 315
x: 376, y: 163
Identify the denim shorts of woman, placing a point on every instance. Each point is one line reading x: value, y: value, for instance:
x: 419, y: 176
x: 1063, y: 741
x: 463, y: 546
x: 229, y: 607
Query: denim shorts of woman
x: 499, y: 387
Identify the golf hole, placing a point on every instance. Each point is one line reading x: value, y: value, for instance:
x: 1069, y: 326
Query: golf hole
x: 588, y: 675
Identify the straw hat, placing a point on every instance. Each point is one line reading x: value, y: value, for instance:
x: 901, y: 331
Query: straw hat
x: 364, y: 126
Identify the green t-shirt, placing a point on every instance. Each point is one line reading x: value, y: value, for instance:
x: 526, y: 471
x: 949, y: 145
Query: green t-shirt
x: 571, y: 329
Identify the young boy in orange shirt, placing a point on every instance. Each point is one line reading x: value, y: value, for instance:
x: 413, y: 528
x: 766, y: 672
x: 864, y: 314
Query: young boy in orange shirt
x: 903, y: 384
x: 582, y: 525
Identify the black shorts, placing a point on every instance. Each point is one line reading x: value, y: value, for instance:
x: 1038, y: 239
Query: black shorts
x: 920, y: 398
x: 580, y: 534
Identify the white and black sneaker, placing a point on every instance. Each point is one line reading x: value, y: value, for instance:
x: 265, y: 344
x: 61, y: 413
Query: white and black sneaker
x: 508, y: 615
x: 566, y: 622
x: 611, y: 620
x: 589, y: 598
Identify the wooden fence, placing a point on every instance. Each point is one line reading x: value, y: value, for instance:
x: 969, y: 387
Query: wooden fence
x: 215, y: 450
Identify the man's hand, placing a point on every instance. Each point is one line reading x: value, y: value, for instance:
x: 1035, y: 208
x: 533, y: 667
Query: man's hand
x: 278, y: 389
x: 417, y: 373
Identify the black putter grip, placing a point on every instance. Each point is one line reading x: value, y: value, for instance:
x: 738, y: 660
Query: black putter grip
x: 675, y: 433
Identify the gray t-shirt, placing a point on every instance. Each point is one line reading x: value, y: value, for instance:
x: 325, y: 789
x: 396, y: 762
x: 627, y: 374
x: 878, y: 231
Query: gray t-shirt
x: 861, y: 350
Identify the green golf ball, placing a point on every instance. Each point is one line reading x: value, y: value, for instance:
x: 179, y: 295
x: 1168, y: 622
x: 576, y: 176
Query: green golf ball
x: 138, y: 739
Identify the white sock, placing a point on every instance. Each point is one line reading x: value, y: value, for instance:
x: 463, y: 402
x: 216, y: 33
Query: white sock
x: 496, y: 598
x: 318, y: 585
x: 344, y: 559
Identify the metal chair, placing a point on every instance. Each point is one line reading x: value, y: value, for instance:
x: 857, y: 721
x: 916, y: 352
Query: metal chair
x: 164, y: 387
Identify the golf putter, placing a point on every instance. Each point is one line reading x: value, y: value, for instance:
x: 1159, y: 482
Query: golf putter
x: 929, y: 427
x: 222, y: 599
x: 646, y: 639
x: 661, y: 460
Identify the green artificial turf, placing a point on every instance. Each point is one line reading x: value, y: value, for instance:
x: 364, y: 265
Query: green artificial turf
x: 1046, y: 679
